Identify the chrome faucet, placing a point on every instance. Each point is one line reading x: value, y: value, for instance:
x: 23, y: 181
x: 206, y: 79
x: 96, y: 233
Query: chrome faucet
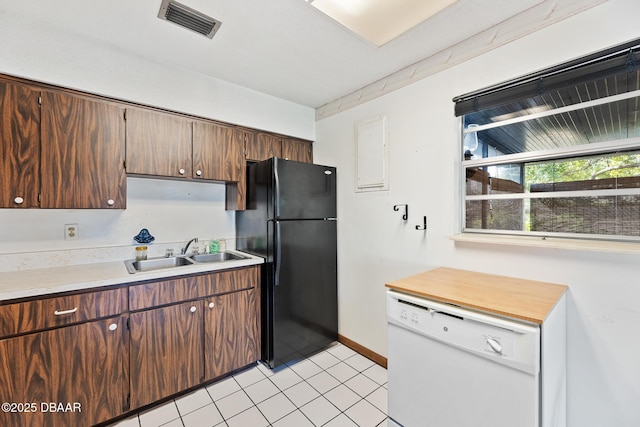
x: 186, y: 247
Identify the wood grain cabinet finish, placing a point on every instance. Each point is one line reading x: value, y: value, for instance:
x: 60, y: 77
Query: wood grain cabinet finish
x: 45, y: 313
x: 218, y: 152
x: 19, y: 146
x: 235, y: 192
x: 232, y: 335
x: 158, y: 144
x: 263, y: 147
x: 86, y: 366
x: 82, y: 153
x: 165, y: 292
x: 166, y: 351
x: 298, y: 150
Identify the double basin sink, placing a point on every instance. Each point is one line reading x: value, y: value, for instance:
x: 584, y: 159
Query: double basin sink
x: 160, y: 263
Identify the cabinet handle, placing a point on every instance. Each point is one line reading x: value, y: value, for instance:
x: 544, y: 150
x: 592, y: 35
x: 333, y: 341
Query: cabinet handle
x: 199, y: 172
x: 193, y: 309
x: 181, y: 171
x: 63, y: 312
x: 113, y: 327
x: 19, y: 200
x: 111, y: 202
x: 211, y: 305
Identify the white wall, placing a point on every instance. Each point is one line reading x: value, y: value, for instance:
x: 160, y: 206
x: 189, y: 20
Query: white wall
x: 173, y: 211
x: 376, y: 246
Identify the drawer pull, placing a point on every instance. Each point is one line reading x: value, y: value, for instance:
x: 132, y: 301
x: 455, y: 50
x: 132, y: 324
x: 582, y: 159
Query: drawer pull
x: 113, y: 327
x: 211, y: 305
x: 192, y: 309
x: 63, y: 312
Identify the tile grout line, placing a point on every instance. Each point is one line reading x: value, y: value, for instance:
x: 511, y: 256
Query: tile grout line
x: 303, y: 379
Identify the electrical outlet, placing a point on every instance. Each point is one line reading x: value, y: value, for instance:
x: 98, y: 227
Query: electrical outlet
x: 71, y: 232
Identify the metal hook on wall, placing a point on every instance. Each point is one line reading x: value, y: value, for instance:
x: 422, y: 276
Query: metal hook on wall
x: 406, y: 211
x: 424, y: 226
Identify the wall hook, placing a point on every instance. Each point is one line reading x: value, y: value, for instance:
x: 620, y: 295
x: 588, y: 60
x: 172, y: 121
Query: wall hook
x: 406, y: 211
x: 424, y: 226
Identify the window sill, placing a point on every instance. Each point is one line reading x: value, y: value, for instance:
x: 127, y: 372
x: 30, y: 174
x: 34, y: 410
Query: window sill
x: 550, y: 242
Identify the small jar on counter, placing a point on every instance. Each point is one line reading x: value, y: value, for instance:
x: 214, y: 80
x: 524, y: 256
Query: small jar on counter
x: 222, y: 245
x: 141, y: 253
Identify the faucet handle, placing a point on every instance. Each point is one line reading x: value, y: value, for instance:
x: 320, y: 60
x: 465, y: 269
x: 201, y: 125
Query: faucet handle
x: 168, y: 253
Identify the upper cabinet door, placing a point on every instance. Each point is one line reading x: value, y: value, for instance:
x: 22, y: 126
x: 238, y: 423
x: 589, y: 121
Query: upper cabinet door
x: 82, y: 153
x: 19, y: 146
x: 264, y: 146
x: 218, y: 152
x: 158, y: 144
x: 295, y: 149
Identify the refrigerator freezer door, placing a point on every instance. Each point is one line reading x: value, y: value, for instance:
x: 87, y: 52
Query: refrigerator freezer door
x: 303, y: 190
x: 305, y: 316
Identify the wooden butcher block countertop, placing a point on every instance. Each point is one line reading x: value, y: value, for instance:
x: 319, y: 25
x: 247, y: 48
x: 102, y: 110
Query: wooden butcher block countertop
x: 516, y: 298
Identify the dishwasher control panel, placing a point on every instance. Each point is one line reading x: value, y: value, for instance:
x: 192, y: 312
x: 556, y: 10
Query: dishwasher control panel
x: 508, y: 342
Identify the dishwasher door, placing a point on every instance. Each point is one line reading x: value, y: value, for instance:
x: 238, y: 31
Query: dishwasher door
x: 452, y: 367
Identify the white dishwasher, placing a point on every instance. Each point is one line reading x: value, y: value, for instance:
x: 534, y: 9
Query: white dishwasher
x: 452, y: 367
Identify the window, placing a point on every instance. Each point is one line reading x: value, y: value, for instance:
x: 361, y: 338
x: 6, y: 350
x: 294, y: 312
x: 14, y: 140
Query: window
x: 556, y: 153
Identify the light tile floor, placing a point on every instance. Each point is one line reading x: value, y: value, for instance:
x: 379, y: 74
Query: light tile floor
x: 335, y: 388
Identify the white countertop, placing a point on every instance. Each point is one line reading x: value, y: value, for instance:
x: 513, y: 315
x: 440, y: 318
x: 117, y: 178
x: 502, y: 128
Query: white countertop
x: 43, y: 281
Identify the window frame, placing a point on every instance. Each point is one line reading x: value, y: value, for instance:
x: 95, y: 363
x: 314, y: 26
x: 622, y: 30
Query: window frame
x: 521, y: 158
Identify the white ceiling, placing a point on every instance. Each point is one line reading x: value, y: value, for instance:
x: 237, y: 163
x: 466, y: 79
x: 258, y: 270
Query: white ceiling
x: 284, y: 48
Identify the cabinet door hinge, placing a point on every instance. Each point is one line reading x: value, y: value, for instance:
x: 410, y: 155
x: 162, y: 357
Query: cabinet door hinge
x: 40, y: 100
x: 128, y: 403
x: 128, y: 325
x: 124, y: 115
x: 124, y: 165
x: 39, y: 199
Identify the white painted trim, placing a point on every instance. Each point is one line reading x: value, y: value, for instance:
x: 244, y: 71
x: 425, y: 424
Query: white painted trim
x: 606, y: 246
x: 557, y: 194
x: 556, y: 153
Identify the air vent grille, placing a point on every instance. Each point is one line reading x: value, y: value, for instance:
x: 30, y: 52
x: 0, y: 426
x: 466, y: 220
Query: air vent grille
x: 188, y: 18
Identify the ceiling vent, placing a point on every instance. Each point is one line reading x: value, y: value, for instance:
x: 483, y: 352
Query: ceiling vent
x: 188, y: 18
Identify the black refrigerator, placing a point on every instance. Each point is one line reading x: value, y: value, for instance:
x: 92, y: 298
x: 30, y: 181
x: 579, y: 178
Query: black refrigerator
x: 291, y: 222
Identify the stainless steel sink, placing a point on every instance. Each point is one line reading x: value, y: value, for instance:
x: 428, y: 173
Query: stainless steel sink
x: 217, y: 257
x: 159, y: 263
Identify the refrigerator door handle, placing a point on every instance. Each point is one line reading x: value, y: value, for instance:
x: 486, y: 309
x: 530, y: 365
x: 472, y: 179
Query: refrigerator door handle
x: 276, y: 178
x: 278, y: 260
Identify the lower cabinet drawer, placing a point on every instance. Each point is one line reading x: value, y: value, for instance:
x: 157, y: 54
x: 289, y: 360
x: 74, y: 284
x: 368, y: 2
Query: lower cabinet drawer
x: 165, y: 292
x: 63, y: 310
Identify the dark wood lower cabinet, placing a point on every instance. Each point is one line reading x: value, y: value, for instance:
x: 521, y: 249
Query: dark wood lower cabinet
x: 231, y: 333
x: 178, y: 346
x: 71, y: 376
x: 166, y: 351
x: 159, y: 339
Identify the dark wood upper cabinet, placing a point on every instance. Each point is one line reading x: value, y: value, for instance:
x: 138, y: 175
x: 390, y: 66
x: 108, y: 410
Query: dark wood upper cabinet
x: 19, y: 146
x: 295, y: 149
x: 263, y: 147
x: 236, y: 190
x: 82, y: 153
x: 158, y: 144
x: 218, y: 152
